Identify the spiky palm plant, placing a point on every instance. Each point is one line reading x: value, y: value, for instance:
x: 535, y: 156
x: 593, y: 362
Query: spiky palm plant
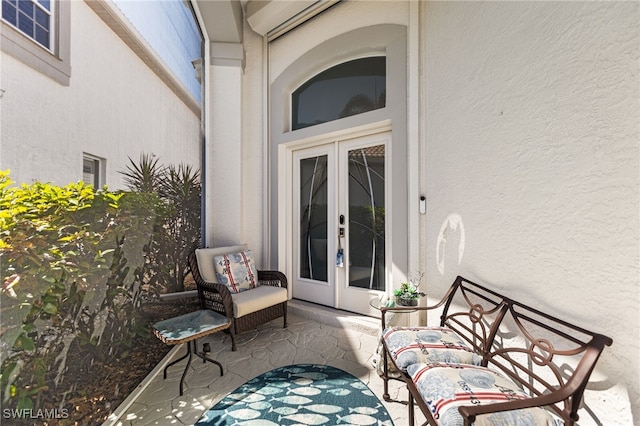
x: 177, y: 230
x: 145, y: 175
x: 180, y: 190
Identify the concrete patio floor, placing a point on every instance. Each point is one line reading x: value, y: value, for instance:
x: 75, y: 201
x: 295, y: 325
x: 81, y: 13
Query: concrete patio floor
x: 315, y: 335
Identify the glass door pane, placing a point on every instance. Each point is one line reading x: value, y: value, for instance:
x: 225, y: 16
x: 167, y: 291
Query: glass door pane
x: 313, y: 218
x: 366, y: 198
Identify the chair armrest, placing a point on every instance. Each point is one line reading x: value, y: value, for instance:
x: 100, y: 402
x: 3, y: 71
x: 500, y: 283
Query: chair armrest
x: 272, y: 278
x: 214, y: 296
x: 469, y: 413
x: 573, y: 389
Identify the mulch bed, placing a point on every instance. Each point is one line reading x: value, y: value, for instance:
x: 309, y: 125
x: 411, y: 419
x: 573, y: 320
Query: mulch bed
x: 98, y: 392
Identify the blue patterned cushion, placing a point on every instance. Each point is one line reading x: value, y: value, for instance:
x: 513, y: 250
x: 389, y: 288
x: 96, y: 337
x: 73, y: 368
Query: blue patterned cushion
x: 445, y: 387
x: 412, y: 345
x: 236, y: 270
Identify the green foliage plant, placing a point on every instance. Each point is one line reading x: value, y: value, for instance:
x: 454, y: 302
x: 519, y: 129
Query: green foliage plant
x: 177, y: 230
x: 409, y: 291
x: 71, y: 263
x: 75, y: 265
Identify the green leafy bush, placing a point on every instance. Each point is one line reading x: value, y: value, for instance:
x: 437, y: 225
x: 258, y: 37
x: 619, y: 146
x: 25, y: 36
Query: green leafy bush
x: 177, y: 230
x: 76, y: 265
x: 72, y: 261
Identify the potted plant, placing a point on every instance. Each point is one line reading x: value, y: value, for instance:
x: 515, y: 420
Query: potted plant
x: 408, y: 293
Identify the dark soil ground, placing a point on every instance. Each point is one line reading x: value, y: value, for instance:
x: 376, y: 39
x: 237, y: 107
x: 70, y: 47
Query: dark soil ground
x: 92, y: 395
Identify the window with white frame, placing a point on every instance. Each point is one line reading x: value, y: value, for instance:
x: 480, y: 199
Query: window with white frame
x: 92, y: 171
x: 34, y: 18
x: 37, y: 33
x: 349, y: 88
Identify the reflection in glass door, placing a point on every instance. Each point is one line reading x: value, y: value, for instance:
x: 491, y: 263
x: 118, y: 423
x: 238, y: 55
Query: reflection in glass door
x: 362, y: 199
x: 366, y: 220
x: 313, y: 218
x: 313, y: 225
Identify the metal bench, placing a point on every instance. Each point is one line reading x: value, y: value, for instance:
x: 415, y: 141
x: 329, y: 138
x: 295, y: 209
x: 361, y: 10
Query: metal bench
x: 491, y: 358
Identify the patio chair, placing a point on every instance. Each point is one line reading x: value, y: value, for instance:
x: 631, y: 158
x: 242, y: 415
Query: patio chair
x: 248, y: 303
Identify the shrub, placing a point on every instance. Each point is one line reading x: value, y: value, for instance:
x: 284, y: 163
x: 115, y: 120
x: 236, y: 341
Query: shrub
x: 72, y: 262
x: 76, y: 264
x: 177, y: 230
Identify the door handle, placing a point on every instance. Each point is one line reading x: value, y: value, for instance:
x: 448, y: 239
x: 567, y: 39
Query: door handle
x: 340, y: 256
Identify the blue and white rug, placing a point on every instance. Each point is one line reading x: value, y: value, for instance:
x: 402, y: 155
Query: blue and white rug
x: 303, y: 394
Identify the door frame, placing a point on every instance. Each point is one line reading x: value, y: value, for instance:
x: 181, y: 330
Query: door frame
x: 285, y: 190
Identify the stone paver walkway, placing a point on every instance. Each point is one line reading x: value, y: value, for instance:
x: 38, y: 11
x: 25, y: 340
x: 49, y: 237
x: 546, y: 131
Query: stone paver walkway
x: 315, y: 335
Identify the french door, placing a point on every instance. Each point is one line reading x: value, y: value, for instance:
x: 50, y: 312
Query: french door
x: 339, y: 226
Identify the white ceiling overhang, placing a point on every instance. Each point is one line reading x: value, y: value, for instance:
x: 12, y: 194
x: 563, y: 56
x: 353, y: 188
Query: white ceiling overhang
x: 265, y: 16
x: 223, y: 19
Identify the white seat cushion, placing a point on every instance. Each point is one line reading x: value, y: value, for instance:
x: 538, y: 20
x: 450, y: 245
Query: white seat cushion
x: 256, y: 299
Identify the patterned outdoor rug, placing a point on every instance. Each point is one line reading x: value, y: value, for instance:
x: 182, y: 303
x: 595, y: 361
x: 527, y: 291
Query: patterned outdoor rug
x: 302, y: 394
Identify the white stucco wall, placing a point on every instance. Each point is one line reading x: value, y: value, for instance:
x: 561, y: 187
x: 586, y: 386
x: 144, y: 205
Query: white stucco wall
x: 254, y: 215
x: 224, y: 163
x: 531, y: 140
x: 115, y: 107
x: 528, y: 149
x: 235, y: 155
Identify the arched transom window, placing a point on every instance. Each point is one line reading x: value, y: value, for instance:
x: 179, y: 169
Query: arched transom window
x: 346, y: 89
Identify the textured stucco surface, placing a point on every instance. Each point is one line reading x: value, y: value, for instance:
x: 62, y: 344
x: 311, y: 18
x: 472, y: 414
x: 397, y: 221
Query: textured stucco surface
x: 532, y: 167
x: 529, y: 149
x: 528, y: 152
x: 115, y: 107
